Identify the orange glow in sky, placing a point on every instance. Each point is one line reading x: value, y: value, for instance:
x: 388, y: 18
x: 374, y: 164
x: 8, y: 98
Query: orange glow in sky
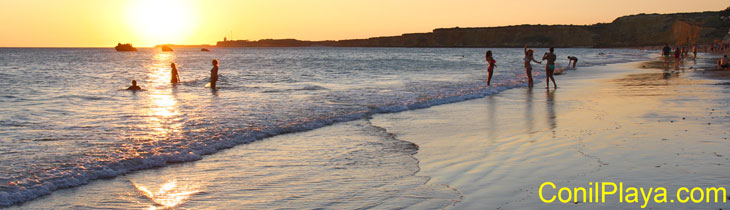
x: 97, y: 23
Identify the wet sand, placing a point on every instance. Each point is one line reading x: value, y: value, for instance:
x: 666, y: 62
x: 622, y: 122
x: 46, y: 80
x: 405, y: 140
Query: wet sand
x: 616, y: 123
x: 349, y: 165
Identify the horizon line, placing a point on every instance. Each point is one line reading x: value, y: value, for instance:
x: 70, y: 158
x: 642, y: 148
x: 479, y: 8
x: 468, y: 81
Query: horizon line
x: 324, y: 40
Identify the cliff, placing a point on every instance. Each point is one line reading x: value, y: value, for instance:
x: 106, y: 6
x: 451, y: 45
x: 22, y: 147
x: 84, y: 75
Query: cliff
x: 628, y: 31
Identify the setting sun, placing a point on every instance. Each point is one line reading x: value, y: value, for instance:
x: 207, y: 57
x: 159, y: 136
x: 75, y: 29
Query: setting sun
x: 162, y: 21
x: 354, y: 104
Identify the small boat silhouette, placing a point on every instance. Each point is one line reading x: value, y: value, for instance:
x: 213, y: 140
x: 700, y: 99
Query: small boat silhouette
x: 124, y: 47
x: 205, y: 50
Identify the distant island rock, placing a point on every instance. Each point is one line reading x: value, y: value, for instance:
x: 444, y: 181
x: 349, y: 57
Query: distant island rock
x: 125, y: 47
x: 628, y: 31
x: 166, y: 48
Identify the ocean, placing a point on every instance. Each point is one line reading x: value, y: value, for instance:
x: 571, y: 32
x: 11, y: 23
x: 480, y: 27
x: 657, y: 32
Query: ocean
x: 66, y: 120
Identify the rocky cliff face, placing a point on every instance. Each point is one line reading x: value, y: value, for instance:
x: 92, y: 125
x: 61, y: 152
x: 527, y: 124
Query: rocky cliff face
x: 654, y: 29
x: 627, y: 31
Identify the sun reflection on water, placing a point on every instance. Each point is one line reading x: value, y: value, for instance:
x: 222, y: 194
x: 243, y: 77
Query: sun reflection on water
x: 169, y: 195
x: 163, y: 113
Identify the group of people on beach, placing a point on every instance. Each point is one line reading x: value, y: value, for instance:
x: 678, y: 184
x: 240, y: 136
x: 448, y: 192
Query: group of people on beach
x: 679, y: 54
x: 175, y: 77
x: 682, y: 53
x: 550, y: 57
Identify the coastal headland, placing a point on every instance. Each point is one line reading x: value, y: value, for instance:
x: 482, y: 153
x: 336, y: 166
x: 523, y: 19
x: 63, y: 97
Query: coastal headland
x: 627, y: 31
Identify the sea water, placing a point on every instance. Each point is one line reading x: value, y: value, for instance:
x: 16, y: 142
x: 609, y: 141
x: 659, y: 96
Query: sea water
x: 66, y: 120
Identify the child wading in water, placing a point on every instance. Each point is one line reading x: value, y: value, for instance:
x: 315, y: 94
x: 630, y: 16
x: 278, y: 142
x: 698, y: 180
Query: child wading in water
x: 490, y: 68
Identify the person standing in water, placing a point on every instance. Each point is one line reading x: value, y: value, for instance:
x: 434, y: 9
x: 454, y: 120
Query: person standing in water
x: 492, y: 63
x: 214, y: 74
x: 175, y: 77
x: 529, y: 57
x: 550, y: 67
x: 694, y: 52
x: 134, y: 86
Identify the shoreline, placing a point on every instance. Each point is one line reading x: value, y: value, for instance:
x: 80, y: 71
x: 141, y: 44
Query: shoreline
x: 580, y: 137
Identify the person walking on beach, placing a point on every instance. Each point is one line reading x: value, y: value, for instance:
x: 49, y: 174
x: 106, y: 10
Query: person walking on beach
x: 491, y: 64
x: 214, y: 74
x: 550, y: 67
x: 175, y: 77
x: 694, y: 52
x: 667, y: 53
x: 529, y: 57
x: 572, y: 59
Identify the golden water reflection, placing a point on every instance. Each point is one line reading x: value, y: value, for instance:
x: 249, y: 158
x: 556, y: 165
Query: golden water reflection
x: 163, y: 113
x: 169, y: 195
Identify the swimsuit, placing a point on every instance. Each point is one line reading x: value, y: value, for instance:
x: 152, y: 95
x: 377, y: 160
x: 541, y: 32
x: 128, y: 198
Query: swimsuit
x: 491, y: 65
x: 551, y: 67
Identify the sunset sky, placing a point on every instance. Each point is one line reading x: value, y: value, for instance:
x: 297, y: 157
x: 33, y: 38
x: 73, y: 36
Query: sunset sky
x: 104, y: 23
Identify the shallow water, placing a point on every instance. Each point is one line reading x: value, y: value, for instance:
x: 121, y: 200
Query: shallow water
x: 66, y: 121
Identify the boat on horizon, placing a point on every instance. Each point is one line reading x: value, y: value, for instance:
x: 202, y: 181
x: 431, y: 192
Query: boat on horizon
x: 205, y: 50
x: 125, y: 47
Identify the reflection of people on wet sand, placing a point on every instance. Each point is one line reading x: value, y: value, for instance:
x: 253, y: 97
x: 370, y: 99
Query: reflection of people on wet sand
x: 175, y: 77
x: 490, y: 68
x: 724, y: 62
x: 550, y: 67
x: 528, y: 67
x: 134, y: 86
x: 572, y: 59
x: 214, y: 74
x: 551, y: 109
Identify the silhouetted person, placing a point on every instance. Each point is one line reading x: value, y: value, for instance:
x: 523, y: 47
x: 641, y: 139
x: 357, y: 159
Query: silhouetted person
x: 677, y: 56
x: 572, y: 59
x: 214, y: 74
x: 724, y: 62
x: 667, y: 53
x: 134, y: 86
x: 175, y: 77
x: 492, y: 63
x: 529, y: 57
x: 694, y: 52
x: 550, y: 67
